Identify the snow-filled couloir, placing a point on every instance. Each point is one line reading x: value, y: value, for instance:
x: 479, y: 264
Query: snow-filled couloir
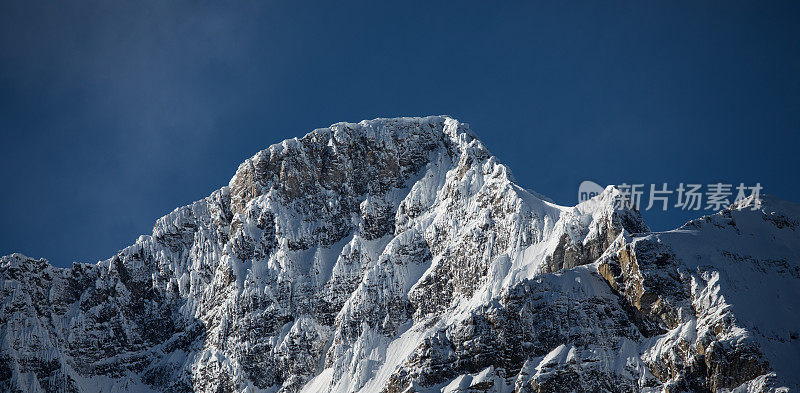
x: 398, y: 255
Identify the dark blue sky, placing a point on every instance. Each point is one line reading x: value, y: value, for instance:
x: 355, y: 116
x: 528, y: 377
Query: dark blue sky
x: 112, y: 114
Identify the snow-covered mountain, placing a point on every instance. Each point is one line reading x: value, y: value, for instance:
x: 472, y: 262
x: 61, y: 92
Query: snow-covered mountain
x: 398, y: 255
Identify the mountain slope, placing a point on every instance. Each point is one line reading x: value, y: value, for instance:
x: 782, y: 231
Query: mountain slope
x: 398, y: 255
x: 727, y: 288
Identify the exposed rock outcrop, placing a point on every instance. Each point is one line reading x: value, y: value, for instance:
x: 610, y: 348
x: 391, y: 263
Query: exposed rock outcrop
x: 399, y: 255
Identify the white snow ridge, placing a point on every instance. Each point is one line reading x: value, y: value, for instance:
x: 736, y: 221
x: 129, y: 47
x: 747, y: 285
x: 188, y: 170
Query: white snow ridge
x: 398, y: 255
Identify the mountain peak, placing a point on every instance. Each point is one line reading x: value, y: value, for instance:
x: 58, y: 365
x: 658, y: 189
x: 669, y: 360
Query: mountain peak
x: 386, y: 255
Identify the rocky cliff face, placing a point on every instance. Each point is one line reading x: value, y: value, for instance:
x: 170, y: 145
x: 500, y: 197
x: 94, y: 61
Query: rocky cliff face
x: 398, y: 255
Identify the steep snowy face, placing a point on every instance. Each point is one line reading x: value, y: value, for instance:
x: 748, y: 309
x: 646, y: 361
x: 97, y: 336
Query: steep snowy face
x: 677, y: 311
x: 394, y: 255
x: 725, y: 290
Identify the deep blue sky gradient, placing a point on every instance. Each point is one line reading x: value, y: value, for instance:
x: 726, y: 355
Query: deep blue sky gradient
x: 114, y: 113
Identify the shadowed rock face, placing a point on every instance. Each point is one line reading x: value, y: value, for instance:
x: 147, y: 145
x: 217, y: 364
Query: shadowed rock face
x: 570, y: 254
x: 398, y: 255
x: 659, y: 292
